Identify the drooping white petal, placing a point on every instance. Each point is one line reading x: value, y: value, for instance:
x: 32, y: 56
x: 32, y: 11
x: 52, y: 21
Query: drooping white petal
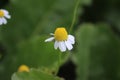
x: 4, y: 20
x: 68, y: 45
x: 1, y: 22
x: 71, y: 39
x: 7, y: 16
x: 56, y: 45
x: 62, y: 46
x: 49, y: 39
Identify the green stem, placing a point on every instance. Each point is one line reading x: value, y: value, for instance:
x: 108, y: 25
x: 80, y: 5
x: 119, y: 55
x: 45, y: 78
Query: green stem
x: 59, y: 63
x: 74, y: 15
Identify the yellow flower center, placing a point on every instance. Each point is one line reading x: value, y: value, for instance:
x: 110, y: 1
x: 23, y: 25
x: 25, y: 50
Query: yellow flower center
x: 61, y: 34
x: 1, y: 13
x: 23, y: 68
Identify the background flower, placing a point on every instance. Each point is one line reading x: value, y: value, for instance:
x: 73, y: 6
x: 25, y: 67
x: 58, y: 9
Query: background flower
x: 4, y: 14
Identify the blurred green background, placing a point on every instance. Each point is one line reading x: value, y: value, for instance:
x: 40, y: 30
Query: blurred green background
x: 95, y: 56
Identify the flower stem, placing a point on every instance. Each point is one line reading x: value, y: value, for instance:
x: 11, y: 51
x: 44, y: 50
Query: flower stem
x: 59, y: 63
x: 74, y: 15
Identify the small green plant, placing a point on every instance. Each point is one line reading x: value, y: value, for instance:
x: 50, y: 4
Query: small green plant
x: 93, y: 47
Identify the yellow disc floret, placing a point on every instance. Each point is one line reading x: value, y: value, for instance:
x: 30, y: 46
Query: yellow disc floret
x: 1, y: 13
x: 61, y: 34
x: 23, y: 68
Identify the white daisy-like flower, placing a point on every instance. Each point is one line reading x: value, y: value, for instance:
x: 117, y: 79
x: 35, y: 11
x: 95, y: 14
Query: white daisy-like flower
x: 4, y: 14
x: 63, y: 41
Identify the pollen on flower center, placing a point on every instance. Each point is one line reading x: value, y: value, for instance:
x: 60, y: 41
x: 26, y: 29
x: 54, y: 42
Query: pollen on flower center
x: 1, y: 13
x: 61, y: 34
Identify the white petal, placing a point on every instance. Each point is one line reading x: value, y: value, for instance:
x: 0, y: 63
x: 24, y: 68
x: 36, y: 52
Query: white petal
x: 7, y: 16
x: 4, y: 20
x: 5, y: 11
x: 62, y: 46
x: 56, y: 44
x: 1, y: 22
x: 51, y: 34
x: 49, y: 39
x: 71, y: 39
x: 68, y: 44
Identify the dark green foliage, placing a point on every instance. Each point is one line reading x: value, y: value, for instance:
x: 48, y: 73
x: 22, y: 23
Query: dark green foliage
x: 98, y: 53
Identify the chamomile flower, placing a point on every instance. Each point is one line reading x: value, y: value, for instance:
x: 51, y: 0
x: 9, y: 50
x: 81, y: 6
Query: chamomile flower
x: 63, y: 41
x: 23, y: 68
x: 4, y: 14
